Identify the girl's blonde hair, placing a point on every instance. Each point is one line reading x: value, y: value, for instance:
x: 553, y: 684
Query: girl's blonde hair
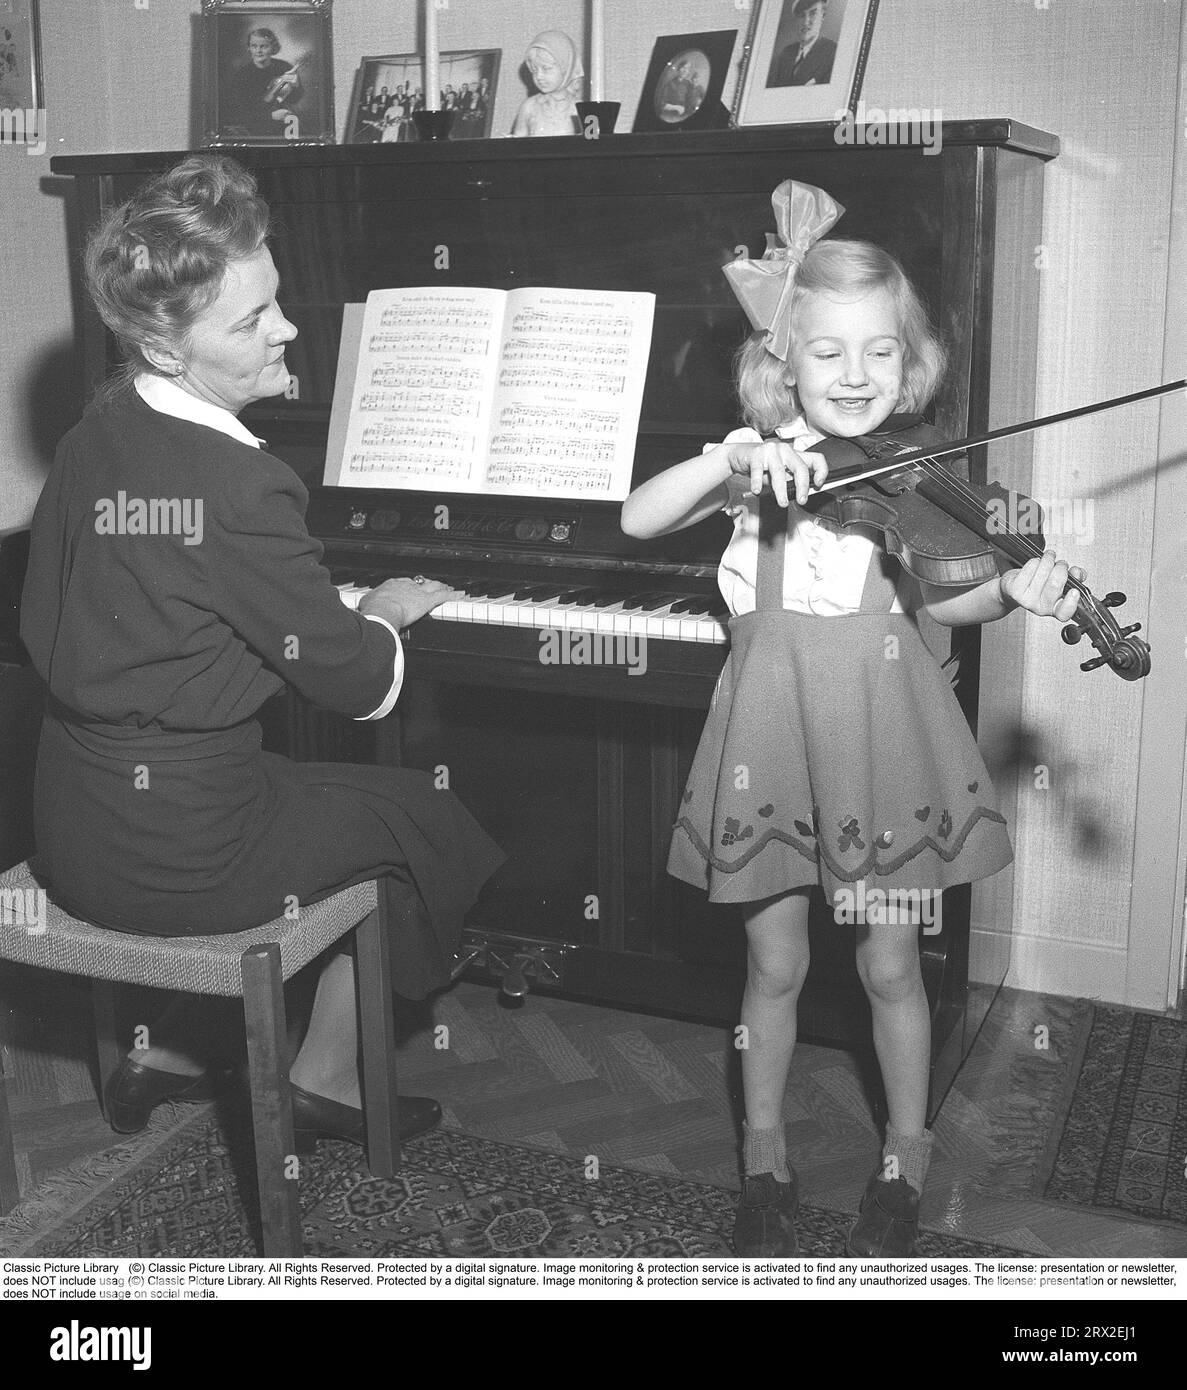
x: 846, y: 269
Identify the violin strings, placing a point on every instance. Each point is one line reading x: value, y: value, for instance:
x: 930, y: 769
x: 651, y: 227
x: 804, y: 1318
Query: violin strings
x: 957, y: 488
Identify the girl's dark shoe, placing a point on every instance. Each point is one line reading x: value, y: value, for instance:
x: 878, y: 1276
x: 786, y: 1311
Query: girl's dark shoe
x: 318, y: 1115
x: 888, y: 1222
x: 136, y: 1090
x: 765, y: 1223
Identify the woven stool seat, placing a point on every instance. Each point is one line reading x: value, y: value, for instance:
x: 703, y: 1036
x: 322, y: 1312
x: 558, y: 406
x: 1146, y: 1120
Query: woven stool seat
x: 251, y: 965
x: 196, y: 964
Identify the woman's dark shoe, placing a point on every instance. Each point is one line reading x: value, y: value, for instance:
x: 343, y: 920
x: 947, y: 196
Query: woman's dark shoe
x: 888, y: 1222
x: 318, y: 1115
x: 136, y: 1090
x: 765, y: 1223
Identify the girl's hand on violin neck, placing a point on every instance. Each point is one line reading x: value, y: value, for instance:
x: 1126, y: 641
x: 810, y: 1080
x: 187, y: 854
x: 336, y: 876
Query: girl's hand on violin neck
x: 790, y: 469
x: 1040, y: 587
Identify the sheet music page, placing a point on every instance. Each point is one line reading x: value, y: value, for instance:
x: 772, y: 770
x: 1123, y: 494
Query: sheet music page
x: 570, y: 387
x: 420, y: 405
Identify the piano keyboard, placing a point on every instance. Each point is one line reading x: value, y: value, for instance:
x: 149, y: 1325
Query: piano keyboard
x: 666, y: 616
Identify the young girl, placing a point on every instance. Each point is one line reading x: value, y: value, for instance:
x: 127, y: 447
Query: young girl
x: 835, y: 753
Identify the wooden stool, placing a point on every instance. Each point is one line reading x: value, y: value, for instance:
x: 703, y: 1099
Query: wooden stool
x: 250, y: 965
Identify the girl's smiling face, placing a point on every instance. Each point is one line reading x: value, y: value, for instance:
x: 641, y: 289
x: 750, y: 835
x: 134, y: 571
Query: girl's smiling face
x: 846, y: 362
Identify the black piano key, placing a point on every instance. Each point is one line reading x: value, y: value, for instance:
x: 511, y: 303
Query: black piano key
x: 693, y: 606
x: 606, y: 600
x: 581, y: 598
x: 534, y: 593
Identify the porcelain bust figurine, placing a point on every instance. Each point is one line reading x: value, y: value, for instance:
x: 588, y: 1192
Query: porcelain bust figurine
x: 556, y: 70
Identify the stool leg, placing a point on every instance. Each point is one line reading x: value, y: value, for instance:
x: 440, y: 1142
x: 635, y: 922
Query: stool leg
x: 107, y: 1048
x: 9, y: 1188
x: 377, y: 1034
x: 277, y: 1166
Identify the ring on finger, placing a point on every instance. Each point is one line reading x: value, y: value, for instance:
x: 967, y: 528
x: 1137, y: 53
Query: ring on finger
x: 419, y: 579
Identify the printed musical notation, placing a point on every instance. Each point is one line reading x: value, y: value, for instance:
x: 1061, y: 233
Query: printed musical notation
x: 535, y: 321
x: 445, y: 345
x: 594, y: 355
x: 410, y: 401
x: 562, y: 419
x: 515, y: 446
x: 535, y: 392
x: 408, y: 462
x: 558, y: 379
x: 524, y: 479
x: 422, y: 438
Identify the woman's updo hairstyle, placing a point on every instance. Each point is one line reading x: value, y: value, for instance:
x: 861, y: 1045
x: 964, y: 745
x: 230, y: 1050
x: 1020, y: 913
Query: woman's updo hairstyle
x: 155, y: 264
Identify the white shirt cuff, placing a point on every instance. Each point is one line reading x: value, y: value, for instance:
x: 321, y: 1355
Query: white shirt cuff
x: 389, y: 701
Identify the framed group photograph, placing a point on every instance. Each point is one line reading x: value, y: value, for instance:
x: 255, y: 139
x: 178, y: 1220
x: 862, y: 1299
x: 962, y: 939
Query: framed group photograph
x: 388, y: 90
x: 685, y: 77
x: 20, y: 72
x: 268, y: 73
x: 805, y: 60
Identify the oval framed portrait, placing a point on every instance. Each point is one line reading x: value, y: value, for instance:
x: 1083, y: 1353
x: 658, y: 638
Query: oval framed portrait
x: 683, y: 83
x: 682, y: 90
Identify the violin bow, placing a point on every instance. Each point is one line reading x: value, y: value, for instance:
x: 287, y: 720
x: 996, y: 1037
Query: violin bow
x: 961, y: 446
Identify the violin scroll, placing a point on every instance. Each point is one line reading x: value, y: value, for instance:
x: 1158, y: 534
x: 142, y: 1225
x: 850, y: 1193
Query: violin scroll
x: 1118, y: 648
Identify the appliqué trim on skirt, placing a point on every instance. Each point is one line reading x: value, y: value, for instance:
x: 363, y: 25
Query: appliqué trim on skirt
x: 814, y: 852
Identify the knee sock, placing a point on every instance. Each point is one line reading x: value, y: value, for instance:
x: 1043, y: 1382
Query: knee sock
x: 765, y: 1151
x: 907, y: 1156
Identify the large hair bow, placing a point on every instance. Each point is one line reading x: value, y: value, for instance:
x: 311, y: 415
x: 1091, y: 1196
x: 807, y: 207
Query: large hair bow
x: 763, y: 288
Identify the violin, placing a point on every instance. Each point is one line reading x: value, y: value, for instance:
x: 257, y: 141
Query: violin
x: 948, y: 531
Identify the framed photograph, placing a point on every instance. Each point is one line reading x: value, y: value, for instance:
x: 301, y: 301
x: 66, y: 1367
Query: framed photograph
x: 22, y: 100
x: 684, y: 81
x: 268, y: 73
x: 387, y: 90
x: 804, y: 60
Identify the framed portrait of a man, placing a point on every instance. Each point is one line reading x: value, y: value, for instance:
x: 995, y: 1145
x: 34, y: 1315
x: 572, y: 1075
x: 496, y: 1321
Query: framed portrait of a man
x: 267, y: 73
x: 805, y: 60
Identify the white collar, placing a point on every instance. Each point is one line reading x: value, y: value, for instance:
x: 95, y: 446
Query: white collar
x: 797, y: 429
x: 169, y: 399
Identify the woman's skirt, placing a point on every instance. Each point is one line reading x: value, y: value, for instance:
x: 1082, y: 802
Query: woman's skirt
x: 195, y: 834
x: 834, y: 754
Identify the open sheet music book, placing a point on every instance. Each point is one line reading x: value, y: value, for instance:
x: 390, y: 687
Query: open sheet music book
x: 531, y: 392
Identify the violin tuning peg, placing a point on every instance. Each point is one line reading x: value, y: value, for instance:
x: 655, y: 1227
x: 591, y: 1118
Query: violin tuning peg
x: 1097, y: 661
x: 1072, y: 634
x: 1135, y: 627
x: 1113, y: 600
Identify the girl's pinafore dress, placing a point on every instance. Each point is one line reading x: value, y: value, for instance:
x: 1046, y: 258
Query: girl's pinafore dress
x: 835, y: 753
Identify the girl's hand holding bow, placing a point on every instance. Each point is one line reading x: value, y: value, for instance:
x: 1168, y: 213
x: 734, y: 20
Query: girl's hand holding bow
x: 780, y: 462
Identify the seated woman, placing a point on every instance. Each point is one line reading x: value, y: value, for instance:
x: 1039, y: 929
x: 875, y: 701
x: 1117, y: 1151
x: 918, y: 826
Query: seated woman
x: 156, y: 811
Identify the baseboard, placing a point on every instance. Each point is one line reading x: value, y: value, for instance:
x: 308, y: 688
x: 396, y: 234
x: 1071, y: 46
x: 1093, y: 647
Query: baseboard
x: 1046, y: 965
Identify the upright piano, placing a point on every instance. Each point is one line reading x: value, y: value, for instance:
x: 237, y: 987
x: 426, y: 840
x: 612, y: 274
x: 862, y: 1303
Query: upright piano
x: 574, y: 766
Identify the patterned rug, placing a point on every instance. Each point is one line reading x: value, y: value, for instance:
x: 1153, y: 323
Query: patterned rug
x: 457, y: 1196
x: 1121, y: 1141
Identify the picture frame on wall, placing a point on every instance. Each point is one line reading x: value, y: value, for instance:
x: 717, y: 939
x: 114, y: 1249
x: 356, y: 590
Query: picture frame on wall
x: 22, y: 98
x: 685, y: 78
x: 804, y: 60
x: 388, y: 89
x: 267, y: 72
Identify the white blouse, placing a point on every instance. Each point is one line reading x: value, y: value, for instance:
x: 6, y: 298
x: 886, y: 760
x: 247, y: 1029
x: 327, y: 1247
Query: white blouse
x: 824, y: 565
